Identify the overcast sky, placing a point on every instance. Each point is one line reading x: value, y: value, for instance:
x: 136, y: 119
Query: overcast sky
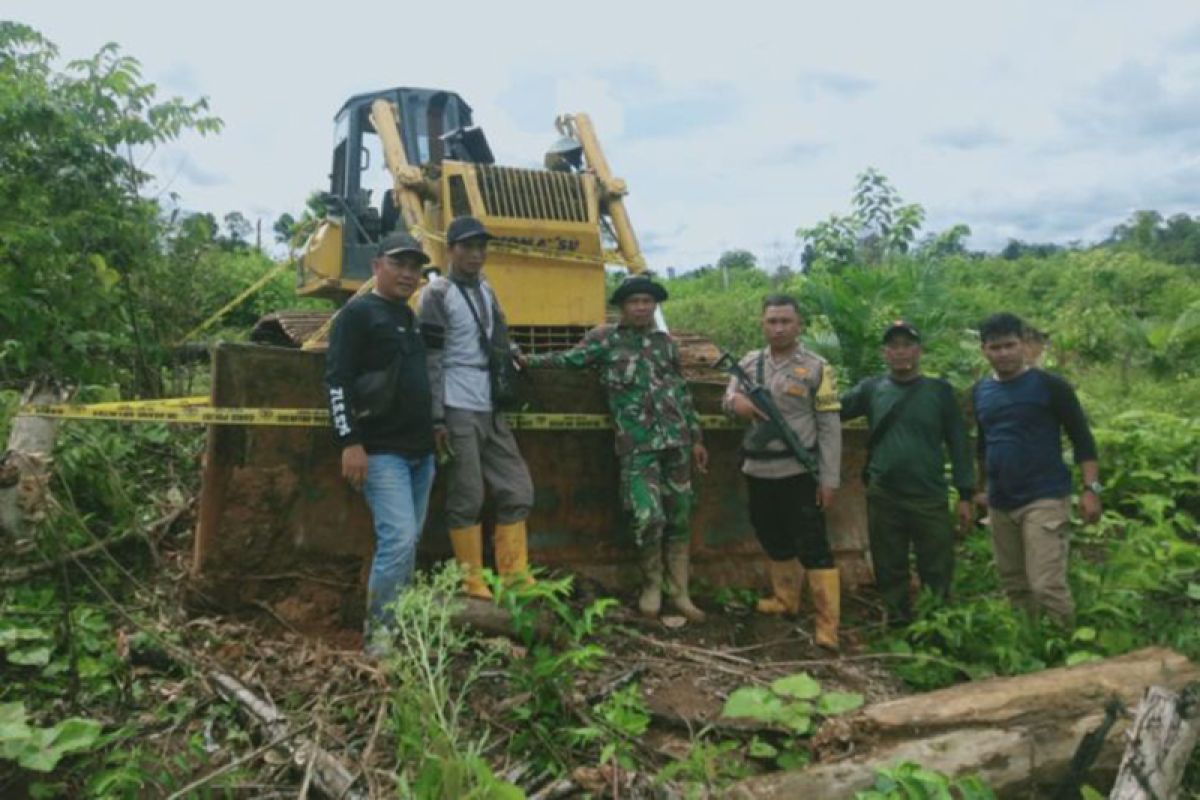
x: 1043, y: 121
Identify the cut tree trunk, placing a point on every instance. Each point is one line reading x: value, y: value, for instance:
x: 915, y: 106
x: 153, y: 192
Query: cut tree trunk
x: 1161, y: 741
x: 25, y: 464
x: 492, y: 620
x: 1019, y: 734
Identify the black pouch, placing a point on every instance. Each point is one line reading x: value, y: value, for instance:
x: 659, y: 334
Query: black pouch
x: 374, y: 393
x: 504, y: 378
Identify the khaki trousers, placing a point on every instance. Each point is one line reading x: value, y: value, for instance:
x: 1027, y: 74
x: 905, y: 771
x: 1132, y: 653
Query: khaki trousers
x: 1031, y: 544
x: 485, y: 454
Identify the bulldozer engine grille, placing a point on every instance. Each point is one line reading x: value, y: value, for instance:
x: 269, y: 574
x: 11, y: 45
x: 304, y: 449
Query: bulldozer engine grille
x: 532, y: 194
x: 546, y: 338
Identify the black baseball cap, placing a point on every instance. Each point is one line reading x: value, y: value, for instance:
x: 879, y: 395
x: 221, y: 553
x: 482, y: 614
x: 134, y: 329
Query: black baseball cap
x: 901, y: 326
x: 638, y: 284
x: 463, y: 228
x: 395, y: 244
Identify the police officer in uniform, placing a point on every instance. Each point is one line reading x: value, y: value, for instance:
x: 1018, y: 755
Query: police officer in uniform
x: 787, y: 502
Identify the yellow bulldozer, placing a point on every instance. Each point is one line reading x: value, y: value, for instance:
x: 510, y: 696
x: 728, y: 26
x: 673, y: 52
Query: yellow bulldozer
x: 412, y: 159
x: 275, y: 516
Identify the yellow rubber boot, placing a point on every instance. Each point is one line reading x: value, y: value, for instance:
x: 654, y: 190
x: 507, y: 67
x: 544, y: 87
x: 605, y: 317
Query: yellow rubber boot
x: 826, y: 589
x: 512, y: 553
x: 785, y: 588
x: 468, y: 551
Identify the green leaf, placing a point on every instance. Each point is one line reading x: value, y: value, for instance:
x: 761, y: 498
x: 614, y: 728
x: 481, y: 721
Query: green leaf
x: 834, y: 703
x: 752, y: 702
x: 74, y: 734
x: 1193, y: 591
x: 38, y: 656
x: 801, y: 686
x: 793, y: 759
x: 11, y: 634
x: 1084, y: 635
x: 13, y: 726
x: 797, y: 717
x: 760, y: 749
x: 47, y: 747
x: 1081, y: 657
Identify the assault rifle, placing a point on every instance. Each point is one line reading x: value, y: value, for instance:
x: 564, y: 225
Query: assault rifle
x: 762, y: 400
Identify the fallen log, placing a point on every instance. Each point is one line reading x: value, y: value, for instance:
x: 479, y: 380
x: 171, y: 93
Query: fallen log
x: 492, y: 620
x: 25, y: 463
x: 328, y: 775
x: 1020, y: 734
x: 1161, y: 741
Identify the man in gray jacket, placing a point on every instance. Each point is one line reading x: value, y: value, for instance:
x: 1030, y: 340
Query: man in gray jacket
x: 459, y: 314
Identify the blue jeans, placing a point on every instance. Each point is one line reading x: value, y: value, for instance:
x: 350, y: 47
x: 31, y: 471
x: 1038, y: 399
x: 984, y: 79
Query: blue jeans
x: 397, y: 490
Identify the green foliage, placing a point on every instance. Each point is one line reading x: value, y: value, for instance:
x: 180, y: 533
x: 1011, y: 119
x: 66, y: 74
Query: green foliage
x: 98, y: 281
x: 40, y: 749
x: 787, y: 704
x: 438, y: 757
x: 708, y: 766
x: 549, y: 669
x: 618, y: 721
x: 80, y: 248
x: 1133, y: 576
x: 880, y: 226
x: 1175, y: 240
x: 909, y: 781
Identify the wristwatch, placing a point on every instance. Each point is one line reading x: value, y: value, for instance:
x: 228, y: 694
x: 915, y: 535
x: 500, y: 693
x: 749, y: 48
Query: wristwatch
x: 1095, y: 487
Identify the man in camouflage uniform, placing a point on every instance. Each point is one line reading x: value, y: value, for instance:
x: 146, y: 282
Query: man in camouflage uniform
x: 788, y: 502
x: 657, y: 435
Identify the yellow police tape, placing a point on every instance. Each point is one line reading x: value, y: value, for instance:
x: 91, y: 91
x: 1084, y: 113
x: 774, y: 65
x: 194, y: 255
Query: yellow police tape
x: 225, y: 309
x: 197, y: 411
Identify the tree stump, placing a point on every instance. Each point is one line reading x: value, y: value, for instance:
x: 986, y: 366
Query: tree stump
x: 1161, y: 741
x: 25, y: 464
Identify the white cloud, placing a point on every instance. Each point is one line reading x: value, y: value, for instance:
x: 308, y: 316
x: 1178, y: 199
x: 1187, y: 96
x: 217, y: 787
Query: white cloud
x: 732, y: 127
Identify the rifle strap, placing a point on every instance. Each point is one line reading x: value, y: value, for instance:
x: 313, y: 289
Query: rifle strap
x: 766, y: 455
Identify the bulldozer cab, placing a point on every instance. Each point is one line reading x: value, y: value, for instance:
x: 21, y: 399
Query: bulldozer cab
x: 433, y: 125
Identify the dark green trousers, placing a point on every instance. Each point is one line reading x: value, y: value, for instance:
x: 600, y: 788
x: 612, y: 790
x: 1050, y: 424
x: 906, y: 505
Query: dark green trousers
x: 898, y: 524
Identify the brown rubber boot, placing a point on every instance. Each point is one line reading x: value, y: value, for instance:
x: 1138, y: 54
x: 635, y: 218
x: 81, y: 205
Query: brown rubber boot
x: 651, y: 562
x: 468, y: 551
x: 512, y: 554
x: 785, y: 588
x: 826, y: 589
x: 678, y: 560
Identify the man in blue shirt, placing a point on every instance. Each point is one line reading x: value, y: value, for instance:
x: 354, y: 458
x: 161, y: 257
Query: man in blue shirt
x: 1022, y: 413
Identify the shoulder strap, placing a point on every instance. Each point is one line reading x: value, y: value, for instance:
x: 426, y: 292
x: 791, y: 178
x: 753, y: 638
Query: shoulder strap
x: 758, y: 368
x: 483, y: 338
x: 893, y: 413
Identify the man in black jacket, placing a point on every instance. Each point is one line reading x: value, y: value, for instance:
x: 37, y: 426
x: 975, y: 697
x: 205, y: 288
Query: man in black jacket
x: 379, y: 401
